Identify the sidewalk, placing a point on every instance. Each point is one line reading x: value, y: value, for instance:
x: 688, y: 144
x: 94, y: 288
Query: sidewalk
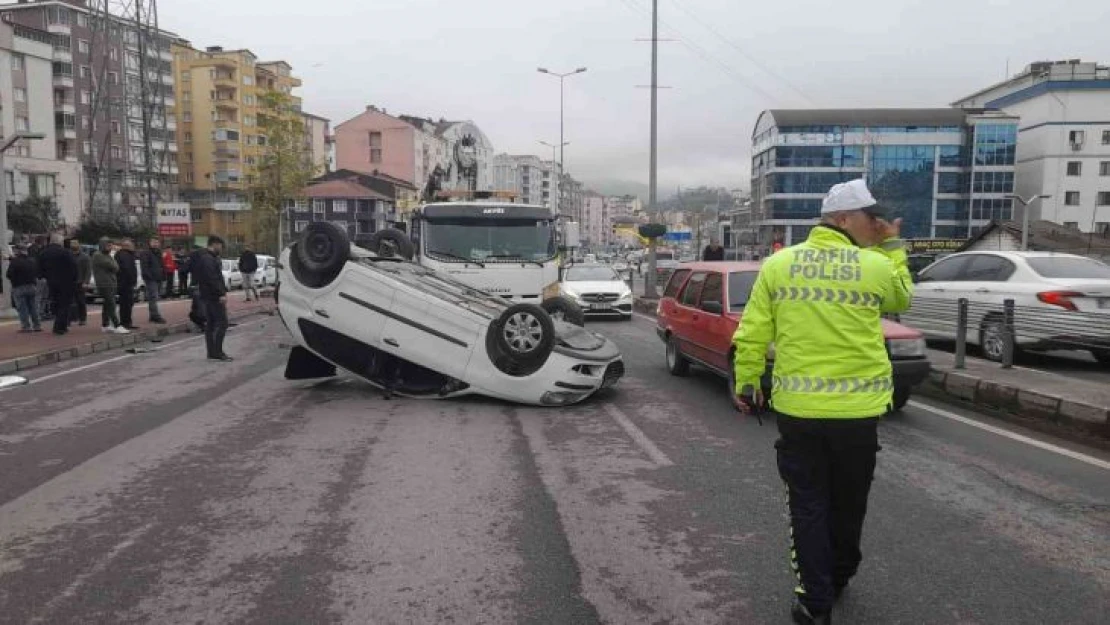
x: 19, y: 352
x: 1039, y: 399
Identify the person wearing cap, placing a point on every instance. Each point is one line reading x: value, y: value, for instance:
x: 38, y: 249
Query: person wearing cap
x: 820, y: 303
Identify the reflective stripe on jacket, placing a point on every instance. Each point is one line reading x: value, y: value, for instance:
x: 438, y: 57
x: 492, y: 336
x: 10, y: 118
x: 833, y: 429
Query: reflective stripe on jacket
x: 820, y: 303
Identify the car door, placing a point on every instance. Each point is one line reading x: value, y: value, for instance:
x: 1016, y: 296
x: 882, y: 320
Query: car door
x: 356, y: 304
x: 668, y: 304
x: 934, y: 306
x: 428, y: 332
x: 687, y: 314
x: 712, y: 328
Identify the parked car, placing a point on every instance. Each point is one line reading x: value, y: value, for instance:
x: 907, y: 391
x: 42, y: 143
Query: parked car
x: 232, y: 278
x: 1062, y: 301
x: 598, y: 290
x: 703, y: 304
x: 418, y: 333
x: 266, y: 274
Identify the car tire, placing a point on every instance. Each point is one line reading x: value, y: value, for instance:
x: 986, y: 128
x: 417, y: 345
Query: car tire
x: 391, y: 242
x: 521, y: 339
x: 676, y: 362
x: 563, y: 309
x: 319, y: 254
x: 992, y: 339
x: 901, y: 397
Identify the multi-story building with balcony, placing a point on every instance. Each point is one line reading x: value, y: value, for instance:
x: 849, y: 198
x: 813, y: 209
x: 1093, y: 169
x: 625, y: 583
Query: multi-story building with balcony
x: 45, y: 167
x: 526, y: 176
x: 946, y: 172
x: 112, y: 100
x: 221, y: 101
x: 1063, y: 148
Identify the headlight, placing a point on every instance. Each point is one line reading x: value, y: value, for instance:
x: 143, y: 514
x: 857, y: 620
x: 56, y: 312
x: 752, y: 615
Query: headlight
x: 627, y: 295
x: 906, y: 348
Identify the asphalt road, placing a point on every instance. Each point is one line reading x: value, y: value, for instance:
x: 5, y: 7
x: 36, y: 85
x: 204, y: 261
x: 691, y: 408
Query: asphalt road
x: 161, y: 488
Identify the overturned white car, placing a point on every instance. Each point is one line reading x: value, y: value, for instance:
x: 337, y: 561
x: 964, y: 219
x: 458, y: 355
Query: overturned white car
x: 417, y: 333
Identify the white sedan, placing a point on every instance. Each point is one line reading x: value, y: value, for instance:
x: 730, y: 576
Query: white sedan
x: 417, y: 333
x: 598, y: 290
x: 233, y: 279
x: 1061, y: 301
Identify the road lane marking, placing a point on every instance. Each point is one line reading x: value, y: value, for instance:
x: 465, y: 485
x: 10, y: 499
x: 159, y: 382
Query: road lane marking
x: 643, y: 316
x: 1075, y: 455
x: 123, y: 357
x: 638, y: 436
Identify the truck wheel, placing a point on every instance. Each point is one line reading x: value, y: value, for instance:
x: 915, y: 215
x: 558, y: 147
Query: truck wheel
x: 563, y: 309
x: 391, y: 242
x: 319, y: 254
x: 521, y: 339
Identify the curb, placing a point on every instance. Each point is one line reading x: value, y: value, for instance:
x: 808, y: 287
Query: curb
x: 1009, y: 402
x: 24, y: 363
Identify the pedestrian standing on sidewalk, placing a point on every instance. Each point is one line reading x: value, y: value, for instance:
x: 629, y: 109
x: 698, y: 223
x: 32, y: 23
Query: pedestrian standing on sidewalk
x: 23, y: 274
x: 105, y: 273
x: 84, y: 274
x: 182, y: 260
x: 169, y: 268
x: 153, y: 277
x: 208, y: 273
x: 248, y: 264
x: 57, y: 266
x: 42, y: 291
x: 831, y: 383
x: 128, y: 282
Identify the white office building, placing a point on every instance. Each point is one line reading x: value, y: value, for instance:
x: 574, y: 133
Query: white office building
x: 527, y: 176
x: 1063, y: 147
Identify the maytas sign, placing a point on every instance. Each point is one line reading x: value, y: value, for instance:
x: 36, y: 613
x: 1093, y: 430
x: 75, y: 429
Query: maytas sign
x: 174, y: 219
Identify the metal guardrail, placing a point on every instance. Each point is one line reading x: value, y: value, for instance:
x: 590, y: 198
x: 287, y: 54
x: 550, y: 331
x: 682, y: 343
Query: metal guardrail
x: 1015, y: 325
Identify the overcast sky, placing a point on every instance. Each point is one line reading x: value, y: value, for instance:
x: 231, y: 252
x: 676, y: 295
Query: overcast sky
x: 477, y: 60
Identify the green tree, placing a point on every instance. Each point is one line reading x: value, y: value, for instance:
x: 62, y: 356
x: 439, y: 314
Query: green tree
x: 91, y: 230
x: 281, y: 172
x: 34, y: 215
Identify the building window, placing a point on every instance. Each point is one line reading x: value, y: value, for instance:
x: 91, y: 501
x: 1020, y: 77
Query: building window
x: 1102, y: 227
x: 341, y: 224
x: 1104, y: 168
x: 22, y: 123
x: 82, y: 20
x: 300, y: 225
x: 995, y: 144
x: 17, y: 62
x: 86, y: 97
x: 20, y: 94
x: 375, y: 147
x: 113, y: 54
x: 992, y: 209
x: 86, y: 72
x: 248, y: 80
x: 318, y: 206
x: 116, y: 152
x: 1075, y: 168
x: 113, y: 78
x: 1103, y: 198
x: 1074, y: 225
x: 82, y: 46
x: 1071, y: 198
x: 301, y: 206
x: 187, y: 116
x: 1106, y: 137
x: 993, y: 182
x: 1076, y: 137
x: 115, y: 127
x: 339, y: 206
x: 87, y: 147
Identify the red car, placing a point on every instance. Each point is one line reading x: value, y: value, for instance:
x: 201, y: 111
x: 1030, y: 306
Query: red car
x: 704, y: 302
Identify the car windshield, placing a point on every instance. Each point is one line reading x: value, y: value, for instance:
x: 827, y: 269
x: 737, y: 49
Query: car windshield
x: 1067, y: 267
x: 591, y: 274
x: 740, y: 288
x: 489, y: 241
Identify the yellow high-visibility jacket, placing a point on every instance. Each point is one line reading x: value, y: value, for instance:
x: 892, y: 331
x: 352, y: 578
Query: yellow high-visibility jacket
x: 820, y: 303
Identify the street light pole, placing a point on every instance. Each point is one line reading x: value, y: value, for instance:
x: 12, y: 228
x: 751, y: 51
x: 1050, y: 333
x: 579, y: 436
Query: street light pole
x: 562, y: 143
x: 5, y: 249
x: 1025, y: 203
x: 553, y: 148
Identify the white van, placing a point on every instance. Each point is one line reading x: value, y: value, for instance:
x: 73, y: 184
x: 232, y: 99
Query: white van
x: 266, y: 275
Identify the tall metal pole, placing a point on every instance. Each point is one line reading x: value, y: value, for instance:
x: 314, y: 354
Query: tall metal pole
x: 562, y: 145
x: 5, y: 249
x: 649, y: 281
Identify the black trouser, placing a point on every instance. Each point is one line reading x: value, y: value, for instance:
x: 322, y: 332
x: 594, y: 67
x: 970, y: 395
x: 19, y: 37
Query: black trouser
x: 108, y: 316
x: 215, y: 327
x: 827, y: 465
x: 183, y: 282
x: 82, y: 304
x: 126, y: 305
x: 167, y: 290
x: 60, y: 299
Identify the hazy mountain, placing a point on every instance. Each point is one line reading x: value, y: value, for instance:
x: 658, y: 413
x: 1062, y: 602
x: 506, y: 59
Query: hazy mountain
x: 619, y: 187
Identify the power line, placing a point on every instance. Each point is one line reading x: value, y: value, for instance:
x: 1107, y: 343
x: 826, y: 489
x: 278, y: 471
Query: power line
x: 742, y: 52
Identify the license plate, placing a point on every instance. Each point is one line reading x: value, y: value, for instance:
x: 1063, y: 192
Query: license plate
x: 601, y: 306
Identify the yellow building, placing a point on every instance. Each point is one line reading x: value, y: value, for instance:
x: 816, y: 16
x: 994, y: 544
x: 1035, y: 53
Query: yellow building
x: 219, y: 95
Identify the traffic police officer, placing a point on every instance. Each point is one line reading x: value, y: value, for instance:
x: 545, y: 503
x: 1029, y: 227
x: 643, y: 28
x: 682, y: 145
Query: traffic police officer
x: 820, y: 303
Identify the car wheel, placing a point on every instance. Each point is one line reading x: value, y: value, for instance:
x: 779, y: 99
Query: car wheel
x: 521, y: 339
x: 901, y: 396
x: 992, y: 339
x: 676, y: 362
x: 391, y: 242
x: 562, y: 309
x: 319, y: 254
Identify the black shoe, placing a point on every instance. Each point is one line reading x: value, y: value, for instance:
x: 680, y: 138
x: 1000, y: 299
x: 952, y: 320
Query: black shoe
x: 802, y: 616
x: 158, y: 320
x: 132, y: 327
x: 222, y: 358
x: 60, y: 332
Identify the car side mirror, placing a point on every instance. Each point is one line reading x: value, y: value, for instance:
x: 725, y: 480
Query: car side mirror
x: 713, y: 308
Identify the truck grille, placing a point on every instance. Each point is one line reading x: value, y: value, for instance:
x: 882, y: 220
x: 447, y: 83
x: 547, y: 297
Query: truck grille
x: 600, y: 297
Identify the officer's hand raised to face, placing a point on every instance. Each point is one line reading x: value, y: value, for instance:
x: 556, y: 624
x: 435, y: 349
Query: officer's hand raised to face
x: 887, y: 229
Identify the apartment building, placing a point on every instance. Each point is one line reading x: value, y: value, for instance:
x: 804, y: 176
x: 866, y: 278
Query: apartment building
x: 221, y: 141
x: 526, y: 176
x: 317, y: 142
x: 34, y: 168
x: 100, y: 68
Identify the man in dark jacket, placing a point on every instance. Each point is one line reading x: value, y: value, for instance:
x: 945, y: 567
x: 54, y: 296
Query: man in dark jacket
x: 153, y: 277
x: 84, y: 274
x: 207, y: 270
x: 106, y: 274
x: 128, y: 279
x: 248, y: 264
x: 182, y: 259
x: 23, y: 273
x: 713, y: 251
x: 57, y: 267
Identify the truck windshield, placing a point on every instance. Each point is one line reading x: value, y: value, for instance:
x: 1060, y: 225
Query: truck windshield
x: 489, y: 241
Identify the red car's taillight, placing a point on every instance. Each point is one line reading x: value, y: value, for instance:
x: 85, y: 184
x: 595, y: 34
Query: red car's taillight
x: 1060, y: 298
